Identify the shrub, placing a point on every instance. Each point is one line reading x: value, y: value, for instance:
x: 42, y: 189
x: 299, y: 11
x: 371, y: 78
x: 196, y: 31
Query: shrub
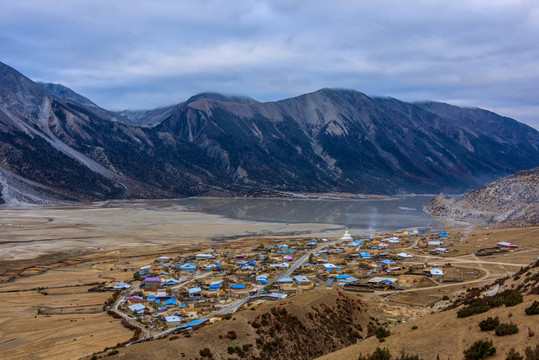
x: 408, y: 357
x: 475, y: 306
x: 113, y: 352
x: 379, y: 331
x: 378, y: 354
x: 532, y: 354
x: 255, y: 324
x: 489, y: 324
x: 205, y: 353
x: 480, y: 350
x: 480, y: 305
x: 533, y: 309
x: 506, y: 329
x: 384, y: 354
x: 230, y: 350
x: 514, y: 355
x: 511, y: 297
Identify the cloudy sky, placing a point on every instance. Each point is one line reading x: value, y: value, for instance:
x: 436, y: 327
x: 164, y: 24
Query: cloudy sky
x: 145, y: 54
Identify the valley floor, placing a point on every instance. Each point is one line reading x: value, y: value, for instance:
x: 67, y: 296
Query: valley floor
x: 49, y: 259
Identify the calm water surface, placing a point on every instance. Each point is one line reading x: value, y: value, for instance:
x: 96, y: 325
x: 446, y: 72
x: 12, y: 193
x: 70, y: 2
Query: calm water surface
x: 369, y: 215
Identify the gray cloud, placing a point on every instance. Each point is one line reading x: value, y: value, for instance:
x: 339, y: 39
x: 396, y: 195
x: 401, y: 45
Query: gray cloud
x: 127, y: 54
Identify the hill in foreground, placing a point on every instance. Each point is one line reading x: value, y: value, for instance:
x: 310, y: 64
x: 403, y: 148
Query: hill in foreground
x: 512, y: 200
x: 445, y: 335
x: 332, y: 325
x: 302, y: 327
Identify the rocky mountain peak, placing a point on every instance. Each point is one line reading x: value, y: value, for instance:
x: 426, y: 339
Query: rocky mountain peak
x: 327, y: 140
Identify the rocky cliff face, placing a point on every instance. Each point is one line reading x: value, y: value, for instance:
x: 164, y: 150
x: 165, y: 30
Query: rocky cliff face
x: 61, y: 144
x: 512, y: 200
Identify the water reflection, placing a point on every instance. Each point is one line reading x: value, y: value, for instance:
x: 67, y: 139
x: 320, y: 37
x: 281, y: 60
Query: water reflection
x: 397, y: 213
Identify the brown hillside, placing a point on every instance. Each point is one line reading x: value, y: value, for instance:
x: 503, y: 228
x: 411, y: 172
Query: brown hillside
x: 301, y: 327
x: 446, y: 335
x: 512, y: 200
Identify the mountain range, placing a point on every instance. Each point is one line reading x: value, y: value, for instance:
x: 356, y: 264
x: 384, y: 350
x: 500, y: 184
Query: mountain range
x: 56, y: 145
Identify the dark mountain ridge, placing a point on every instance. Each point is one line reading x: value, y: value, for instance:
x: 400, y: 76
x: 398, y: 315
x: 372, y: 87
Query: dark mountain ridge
x: 328, y: 140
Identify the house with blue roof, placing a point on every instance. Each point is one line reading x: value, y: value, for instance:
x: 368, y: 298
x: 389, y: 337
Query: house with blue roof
x: 171, y: 282
x: 188, y: 267
x: 171, y: 301
x: 216, y: 285
x: 145, y: 270
x: 196, y: 322
x: 331, y: 267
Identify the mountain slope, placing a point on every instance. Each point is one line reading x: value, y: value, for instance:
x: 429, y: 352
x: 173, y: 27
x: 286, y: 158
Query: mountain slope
x: 329, y: 140
x: 342, y: 139
x: 512, y: 200
x: 79, y: 153
x: 444, y: 335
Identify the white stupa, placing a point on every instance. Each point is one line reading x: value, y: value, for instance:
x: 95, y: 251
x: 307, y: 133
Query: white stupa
x: 346, y: 236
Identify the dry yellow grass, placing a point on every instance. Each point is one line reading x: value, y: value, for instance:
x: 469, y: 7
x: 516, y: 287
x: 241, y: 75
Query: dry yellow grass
x: 81, y: 246
x: 448, y: 336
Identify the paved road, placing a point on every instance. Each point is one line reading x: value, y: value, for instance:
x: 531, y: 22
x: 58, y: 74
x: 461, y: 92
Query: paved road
x: 237, y: 304
x: 230, y: 308
x: 134, y: 287
x: 305, y: 257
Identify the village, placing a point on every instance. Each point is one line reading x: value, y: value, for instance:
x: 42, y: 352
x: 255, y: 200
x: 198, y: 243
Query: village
x: 195, y: 288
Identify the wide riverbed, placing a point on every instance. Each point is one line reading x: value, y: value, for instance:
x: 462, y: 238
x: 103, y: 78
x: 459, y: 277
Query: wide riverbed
x: 31, y: 232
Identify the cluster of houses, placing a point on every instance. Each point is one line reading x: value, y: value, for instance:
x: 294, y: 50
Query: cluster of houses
x: 179, y: 290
